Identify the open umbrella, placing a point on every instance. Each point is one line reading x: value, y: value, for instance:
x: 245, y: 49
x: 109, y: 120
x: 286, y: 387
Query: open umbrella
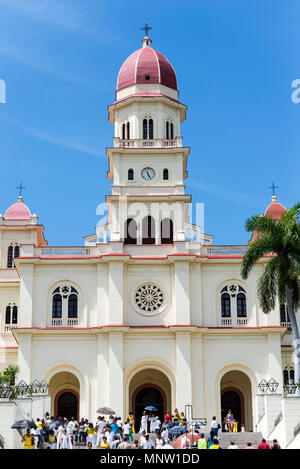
x: 53, y: 425
x: 105, y: 411
x: 151, y: 407
x: 178, y: 430
x: 185, y: 441
x: 23, y: 424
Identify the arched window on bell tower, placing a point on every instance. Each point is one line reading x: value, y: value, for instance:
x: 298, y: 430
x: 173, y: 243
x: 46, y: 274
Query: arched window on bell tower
x: 148, y: 129
x: 130, y: 231
x: 125, y: 130
x: 148, y: 230
x: 130, y: 174
x: 165, y: 174
x: 166, y: 231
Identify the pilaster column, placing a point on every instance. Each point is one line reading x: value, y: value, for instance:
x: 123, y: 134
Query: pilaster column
x: 274, y: 359
x: 102, y: 292
x: 26, y: 291
x: 115, y: 289
x: 102, y: 371
x: 183, y: 368
x: 182, y: 292
x: 24, y: 359
x: 115, y: 372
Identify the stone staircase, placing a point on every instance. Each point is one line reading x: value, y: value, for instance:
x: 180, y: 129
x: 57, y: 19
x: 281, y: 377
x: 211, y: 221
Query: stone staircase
x: 240, y: 439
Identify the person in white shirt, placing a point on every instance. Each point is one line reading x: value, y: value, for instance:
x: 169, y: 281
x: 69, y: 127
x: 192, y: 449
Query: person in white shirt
x: 101, y: 425
x: 142, y: 439
x: 110, y: 436
x: 214, y: 426
x: 119, y: 422
x: 59, y: 434
x: 165, y: 434
x: 126, y: 428
x: 159, y: 442
x: 152, y: 423
x: 144, y: 422
x: 233, y: 446
x: 65, y: 441
x: 157, y: 425
x: 148, y: 443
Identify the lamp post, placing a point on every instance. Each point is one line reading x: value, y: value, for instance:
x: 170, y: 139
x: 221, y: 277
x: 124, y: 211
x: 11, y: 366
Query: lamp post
x: 273, y: 385
x: 290, y: 386
x: 263, y: 386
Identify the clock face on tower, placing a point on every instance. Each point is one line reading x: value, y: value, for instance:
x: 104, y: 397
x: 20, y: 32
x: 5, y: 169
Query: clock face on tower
x: 148, y: 174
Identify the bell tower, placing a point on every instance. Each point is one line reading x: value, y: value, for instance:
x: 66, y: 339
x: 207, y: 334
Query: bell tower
x: 147, y: 162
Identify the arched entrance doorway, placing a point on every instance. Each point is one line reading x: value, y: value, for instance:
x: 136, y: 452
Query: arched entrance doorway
x: 236, y: 395
x: 233, y: 400
x: 67, y: 404
x: 64, y: 389
x: 149, y: 387
x: 148, y: 395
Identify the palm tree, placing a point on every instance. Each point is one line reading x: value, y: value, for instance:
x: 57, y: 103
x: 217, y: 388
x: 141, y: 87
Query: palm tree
x: 10, y: 373
x: 280, y: 278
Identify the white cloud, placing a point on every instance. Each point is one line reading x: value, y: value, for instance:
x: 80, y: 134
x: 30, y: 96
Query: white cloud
x: 67, y: 143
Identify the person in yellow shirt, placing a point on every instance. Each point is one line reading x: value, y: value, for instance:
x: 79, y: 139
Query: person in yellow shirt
x: 39, y: 424
x: 235, y: 425
x: 202, y: 443
x: 131, y: 420
x: 104, y: 444
x: 52, y: 440
x: 90, y: 431
x: 215, y: 444
x: 28, y: 439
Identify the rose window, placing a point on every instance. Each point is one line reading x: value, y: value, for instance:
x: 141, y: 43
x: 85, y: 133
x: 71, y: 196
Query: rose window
x: 149, y: 297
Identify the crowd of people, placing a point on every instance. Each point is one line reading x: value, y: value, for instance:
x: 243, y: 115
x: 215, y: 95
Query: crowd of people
x: 109, y: 433
x: 113, y: 433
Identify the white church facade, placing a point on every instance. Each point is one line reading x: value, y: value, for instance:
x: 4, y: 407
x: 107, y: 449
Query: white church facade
x: 149, y: 309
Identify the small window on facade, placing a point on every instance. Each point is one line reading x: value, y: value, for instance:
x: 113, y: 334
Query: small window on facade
x: 72, y: 306
x: 150, y: 129
x: 241, y: 305
x: 17, y: 251
x: 165, y: 174
x: 148, y: 230
x: 128, y: 130
x: 130, y: 175
x: 147, y: 77
x: 145, y: 129
x: 292, y: 375
x: 171, y: 131
x: 225, y: 305
x: 167, y: 130
x: 7, y: 314
x: 10, y: 256
x: 123, y: 132
x: 57, y: 306
x: 285, y: 376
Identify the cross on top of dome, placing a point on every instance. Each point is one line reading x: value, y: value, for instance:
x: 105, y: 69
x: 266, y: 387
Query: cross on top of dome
x: 146, y: 28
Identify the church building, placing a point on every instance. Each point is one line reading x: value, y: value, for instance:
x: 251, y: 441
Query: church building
x: 148, y: 311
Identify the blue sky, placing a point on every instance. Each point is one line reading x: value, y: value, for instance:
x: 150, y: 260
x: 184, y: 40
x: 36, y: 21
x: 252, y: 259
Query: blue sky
x: 235, y: 62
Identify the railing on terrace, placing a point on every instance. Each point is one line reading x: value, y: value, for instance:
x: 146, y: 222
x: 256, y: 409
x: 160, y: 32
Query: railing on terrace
x: 9, y: 327
x: 57, y: 251
x: 285, y: 324
x: 215, y: 250
x: 149, y: 143
x: 59, y: 322
x: 232, y: 322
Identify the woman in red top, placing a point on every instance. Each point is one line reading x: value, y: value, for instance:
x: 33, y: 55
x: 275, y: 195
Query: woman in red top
x: 168, y: 417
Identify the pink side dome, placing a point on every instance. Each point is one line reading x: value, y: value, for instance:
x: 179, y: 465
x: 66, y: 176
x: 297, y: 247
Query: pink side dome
x: 18, y: 211
x: 146, y: 66
x: 275, y: 209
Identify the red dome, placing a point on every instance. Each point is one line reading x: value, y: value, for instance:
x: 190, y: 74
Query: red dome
x: 18, y: 211
x: 146, y: 66
x: 275, y: 209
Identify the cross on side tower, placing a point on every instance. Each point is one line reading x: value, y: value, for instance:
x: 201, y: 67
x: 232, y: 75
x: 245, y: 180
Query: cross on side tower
x: 146, y: 28
x: 20, y: 188
x: 273, y: 187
